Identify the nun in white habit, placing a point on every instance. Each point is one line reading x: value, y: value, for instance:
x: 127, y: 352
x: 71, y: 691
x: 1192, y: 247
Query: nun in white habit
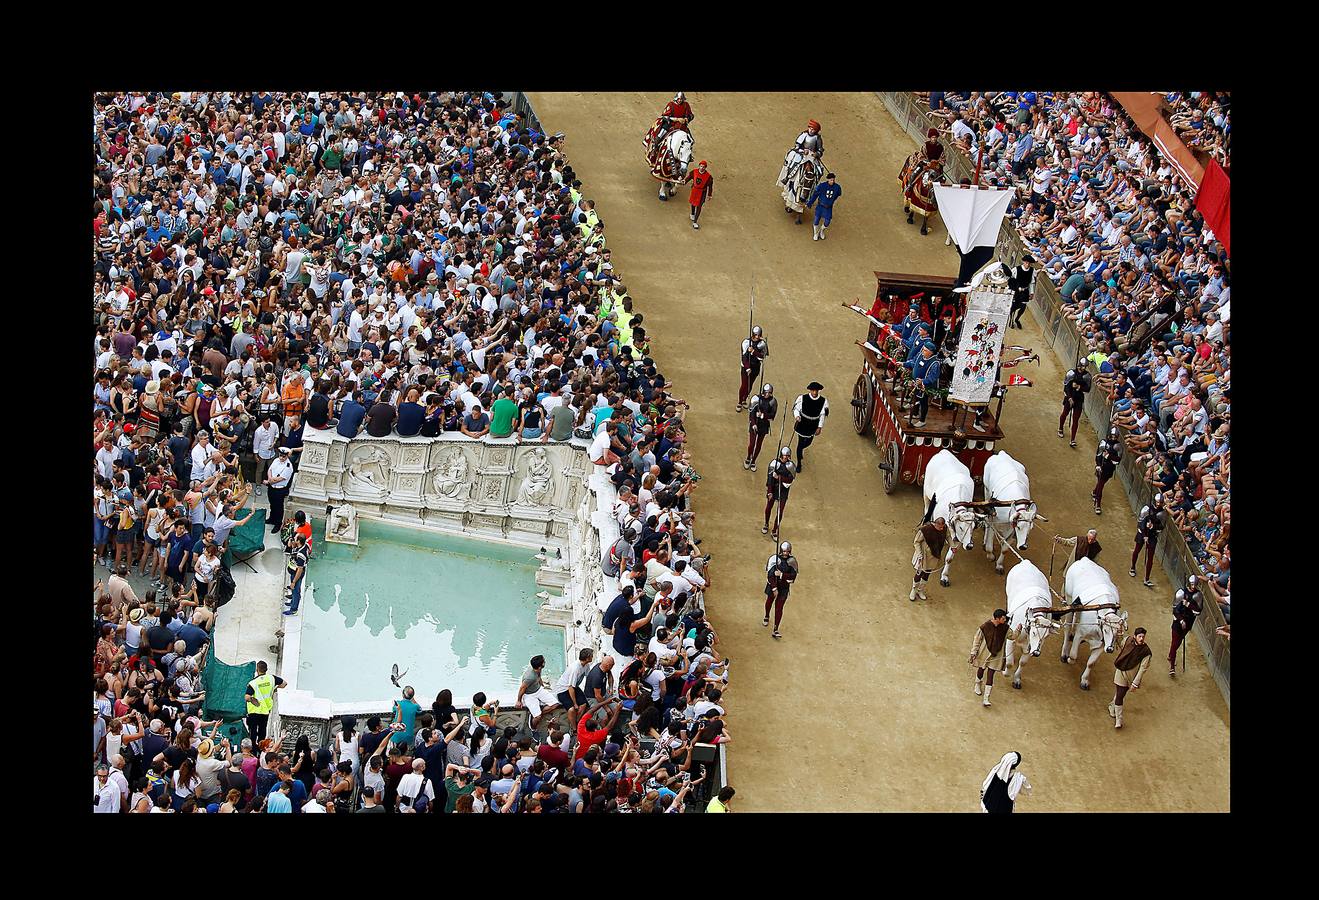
x: 999, y: 791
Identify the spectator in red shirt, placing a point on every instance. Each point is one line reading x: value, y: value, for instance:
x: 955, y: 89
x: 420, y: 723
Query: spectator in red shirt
x: 551, y: 751
x: 588, y: 738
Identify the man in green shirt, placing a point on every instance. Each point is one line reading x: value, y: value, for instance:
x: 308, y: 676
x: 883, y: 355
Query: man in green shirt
x: 720, y: 803
x: 561, y: 423
x: 503, y: 414
x: 458, y: 781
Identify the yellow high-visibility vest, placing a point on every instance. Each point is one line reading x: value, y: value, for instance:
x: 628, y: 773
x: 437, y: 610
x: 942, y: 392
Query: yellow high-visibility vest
x: 263, y: 688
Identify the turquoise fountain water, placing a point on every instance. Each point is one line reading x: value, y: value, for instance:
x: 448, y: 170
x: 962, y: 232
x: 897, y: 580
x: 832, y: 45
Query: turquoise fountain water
x: 452, y: 612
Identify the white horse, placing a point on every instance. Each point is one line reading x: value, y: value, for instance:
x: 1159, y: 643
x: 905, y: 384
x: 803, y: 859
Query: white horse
x: 1028, y: 622
x: 949, y: 487
x: 1006, y: 481
x: 798, y: 177
x: 671, y: 161
x: 1088, y: 583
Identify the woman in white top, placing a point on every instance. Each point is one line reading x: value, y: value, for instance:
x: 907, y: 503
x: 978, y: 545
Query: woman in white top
x: 204, y: 569
x: 346, y: 743
x: 185, y: 781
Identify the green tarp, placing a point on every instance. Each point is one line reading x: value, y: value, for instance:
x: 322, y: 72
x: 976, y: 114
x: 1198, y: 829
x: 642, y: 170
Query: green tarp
x: 225, y: 686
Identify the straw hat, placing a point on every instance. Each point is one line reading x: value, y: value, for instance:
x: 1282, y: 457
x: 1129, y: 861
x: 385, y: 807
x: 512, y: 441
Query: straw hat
x: 153, y: 387
x: 204, y: 749
x: 135, y: 615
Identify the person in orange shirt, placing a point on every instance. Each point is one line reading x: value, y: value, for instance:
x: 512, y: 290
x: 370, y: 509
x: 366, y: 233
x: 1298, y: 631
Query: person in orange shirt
x: 294, y: 394
x: 702, y: 190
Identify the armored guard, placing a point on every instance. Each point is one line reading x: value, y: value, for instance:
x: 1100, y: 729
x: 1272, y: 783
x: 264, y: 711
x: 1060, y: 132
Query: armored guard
x: 763, y: 409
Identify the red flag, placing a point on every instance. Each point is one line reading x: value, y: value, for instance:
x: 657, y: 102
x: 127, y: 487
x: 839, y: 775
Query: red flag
x: 1214, y: 202
x: 1021, y: 380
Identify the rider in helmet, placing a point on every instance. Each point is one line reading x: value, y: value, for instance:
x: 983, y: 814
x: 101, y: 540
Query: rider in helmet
x: 754, y: 350
x: 1187, y: 605
x: 809, y: 141
x: 1107, y: 458
x: 763, y: 408
x: 1148, y: 527
x: 677, y: 114
x: 1076, y: 384
x: 780, y: 573
x: 777, y: 483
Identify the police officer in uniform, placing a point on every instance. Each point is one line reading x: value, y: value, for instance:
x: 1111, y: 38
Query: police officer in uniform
x: 1076, y: 385
x: 925, y: 370
x: 1107, y: 458
x: 1186, y: 607
x: 1022, y: 281
x: 763, y: 409
x: 777, y: 484
x: 1148, y: 528
x: 754, y: 350
x: 780, y: 573
x: 809, y: 414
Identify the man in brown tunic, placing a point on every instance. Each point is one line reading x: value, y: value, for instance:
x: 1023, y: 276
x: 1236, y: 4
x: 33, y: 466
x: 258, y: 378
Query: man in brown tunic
x: 1087, y: 545
x: 987, y: 651
x: 930, y: 540
x: 1132, y: 659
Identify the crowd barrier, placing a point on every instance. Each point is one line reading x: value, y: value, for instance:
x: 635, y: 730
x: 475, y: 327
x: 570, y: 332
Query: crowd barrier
x: 1174, y: 555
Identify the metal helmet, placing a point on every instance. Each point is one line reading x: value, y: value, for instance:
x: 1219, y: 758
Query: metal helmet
x: 756, y: 332
x: 679, y: 97
x: 785, y: 548
x: 785, y: 451
x: 1191, y: 582
x: 1113, y: 434
x: 1158, y: 499
x: 1083, y: 364
x: 767, y: 389
x: 1180, y: 596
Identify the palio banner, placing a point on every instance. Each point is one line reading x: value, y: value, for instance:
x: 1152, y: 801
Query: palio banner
x: 975, y: 370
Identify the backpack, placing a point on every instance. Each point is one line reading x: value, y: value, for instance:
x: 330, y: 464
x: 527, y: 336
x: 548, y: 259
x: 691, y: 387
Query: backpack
x: 223, y: 589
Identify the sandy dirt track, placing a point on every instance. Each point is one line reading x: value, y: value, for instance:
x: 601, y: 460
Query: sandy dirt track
x: 866, y: 702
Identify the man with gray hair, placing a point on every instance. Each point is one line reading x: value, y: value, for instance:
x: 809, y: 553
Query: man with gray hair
x: 413, y: 786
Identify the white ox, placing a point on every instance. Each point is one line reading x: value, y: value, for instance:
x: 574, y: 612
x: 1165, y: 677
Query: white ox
x: 1087, y: 583
x: 1006, y: 482
x: 1028, y: 623
x: 948, y: 484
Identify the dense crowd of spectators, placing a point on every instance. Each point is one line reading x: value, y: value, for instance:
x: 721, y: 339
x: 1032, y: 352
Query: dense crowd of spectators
x: 1114, y: 227
x: 388, y: 263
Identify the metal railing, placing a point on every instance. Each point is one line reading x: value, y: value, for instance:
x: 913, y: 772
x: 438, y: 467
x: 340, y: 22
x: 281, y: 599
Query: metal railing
x: 1174, y: 555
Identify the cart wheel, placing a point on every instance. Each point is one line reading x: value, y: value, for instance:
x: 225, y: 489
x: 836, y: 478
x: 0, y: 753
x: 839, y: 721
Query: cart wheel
x: 863, y: 404
x: 893, y: 464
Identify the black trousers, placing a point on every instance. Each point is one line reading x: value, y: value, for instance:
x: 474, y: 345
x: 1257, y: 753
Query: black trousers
x: 256, y: 729
x: 803, y: 441
x: 277, y: 497
x: 1015, y: 313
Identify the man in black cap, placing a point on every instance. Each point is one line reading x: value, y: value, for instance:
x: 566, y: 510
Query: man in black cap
x: 1076, y: 384
x: 1022, y: 281
x: 809, y: 414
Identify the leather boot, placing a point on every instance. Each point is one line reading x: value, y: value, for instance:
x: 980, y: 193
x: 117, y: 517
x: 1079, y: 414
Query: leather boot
x: 912, y: 596
x: 1112, y: 711
x: 920, y: 591
x: 988, y: 688
x: 980, y: 681
x: 1118, y: 718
